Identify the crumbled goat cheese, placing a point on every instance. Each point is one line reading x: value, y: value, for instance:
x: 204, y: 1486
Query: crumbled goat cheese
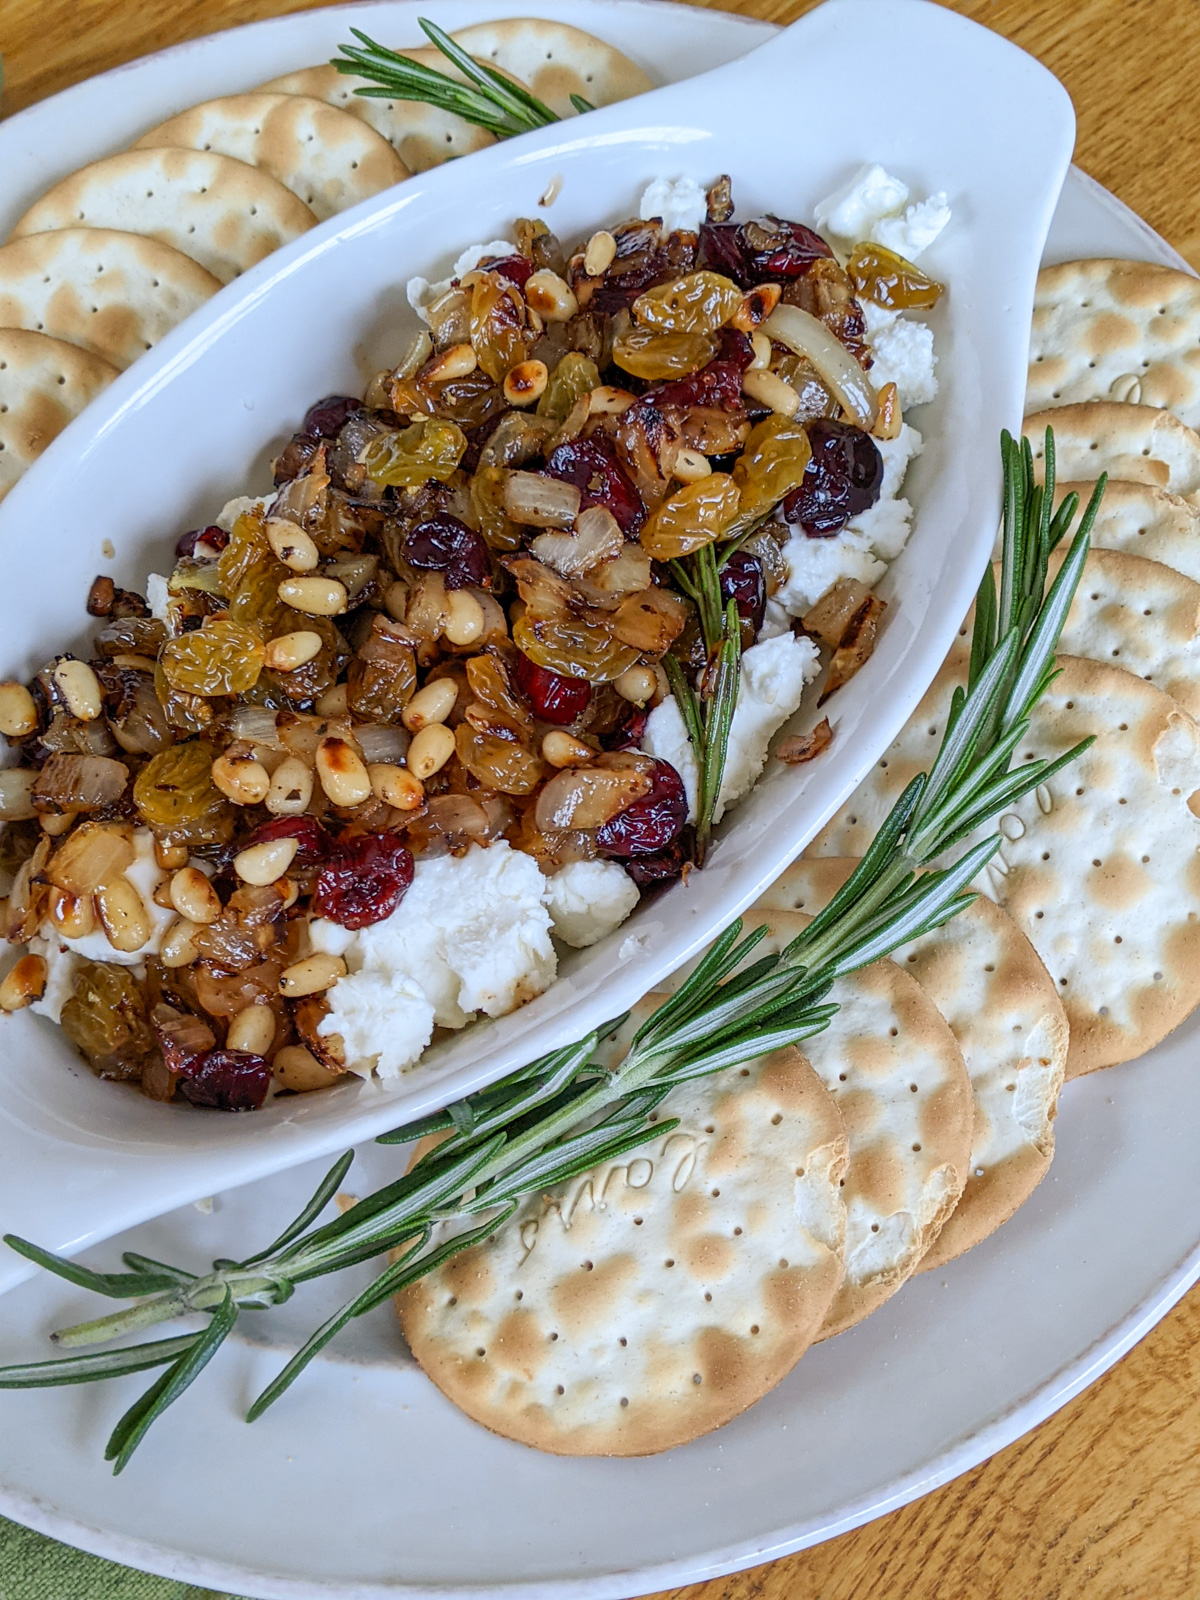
x: 680, y: 202
x: 145, y: 874
x: 874, y: 205
x: 903, y: 354
x: 61, y: 967
x: 862, y: 549
x: 157, y: 594
x: 588, y: 899
x: 774, y: 673
x: 421, y: 293
x: 471, y: 934
x: 240, y: 506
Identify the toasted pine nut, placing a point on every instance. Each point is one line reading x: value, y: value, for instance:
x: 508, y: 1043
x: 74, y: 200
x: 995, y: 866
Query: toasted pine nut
x: 769, y: 389
x: 761, y: 346
x: 294, y: 547
x: 690, y: 466
x: 74, y: 915
x: 757, y: 305
x: 252, y: 1030
x: 608, y: 401
x: 525, y: 383
x: 261, y: 864
x: 637, y: 685
x: 170, y: 857
x: 179, y: 944
x: 311, y: 975
x: 292, y: 650
x: 298, y: 1069
x: 598, y: 257
x: 123, y: 914
x: 464, y: 617
x: 396, y: 600
x: 290, y: 891
x: 80, y: 688
x: 241, y: 779
x: 24, y: 983
x: 16, y: 794
x: 396, y: 787
x: 342, y: 772
x: 550, y: 296
x: 291, y: 788
x: 890, y: 419
x: 433, y: 703
x: 334, y: 702
x: 561, y: 750
x: 455, y: 362
x: 430, y: 750
x: 316, y: 597
x: 194, y: 897
x: 18, y: 714
x: 57, y: 826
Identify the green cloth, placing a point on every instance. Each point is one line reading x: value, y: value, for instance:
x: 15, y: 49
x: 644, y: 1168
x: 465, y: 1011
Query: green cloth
x: 33, y: 1567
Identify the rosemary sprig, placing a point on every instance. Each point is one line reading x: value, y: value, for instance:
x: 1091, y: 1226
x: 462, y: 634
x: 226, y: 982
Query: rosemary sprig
x: 571, y: 1110
x: 488, y: 98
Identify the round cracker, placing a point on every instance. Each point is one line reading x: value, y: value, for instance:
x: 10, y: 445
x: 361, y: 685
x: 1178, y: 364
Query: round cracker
x: 1101, y: 867
x: 421, y: 135
x: 217, y: 210
x: 328, y: 159
x: 112, y: 293
x: 1002, y: 1006
x: 1140, y: 615
x: 652, y: 1300
x: 556, y: 61
x: 1144, y: 521
x: 44, y: 383
x: 1116, y: 330
x: 897, y: 1073
x: 1137, y: 443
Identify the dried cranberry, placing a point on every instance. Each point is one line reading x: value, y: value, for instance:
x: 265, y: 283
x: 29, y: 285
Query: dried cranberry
x: 185, y: 546
x: 554, y: 698
x: 515, y: 268
x: 627, y: 735
x: 227, y: 1080
x: 721, y: 250
x: 592, y: 466
x: 444, y: 544
x: 311, y: 838
x: 742, y: 582
x: 651, y: 824
x: 843, y: 478
x: 364, y: 880
x: 717, y: 384
x: 797, y: 248
x: 762, y: 252
x: 650, y: 872
x: 326, y: 419
x: 295, y: 457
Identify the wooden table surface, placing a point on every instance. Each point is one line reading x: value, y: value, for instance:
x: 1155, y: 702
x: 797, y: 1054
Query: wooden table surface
x: 1102, y: 1501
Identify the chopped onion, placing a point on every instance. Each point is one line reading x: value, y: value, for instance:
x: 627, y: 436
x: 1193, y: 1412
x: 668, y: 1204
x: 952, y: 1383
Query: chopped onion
x: 597, y: 538
x: 588, y: 797
x: 256, y: 725
x: 382, y: 741
x: 807, y: 336
x: 540, y: 502
x: 79, y: 783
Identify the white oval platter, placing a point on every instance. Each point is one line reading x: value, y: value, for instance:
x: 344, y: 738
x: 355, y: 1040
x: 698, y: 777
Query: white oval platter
x: 364, y: 1484
x: 199, y: 416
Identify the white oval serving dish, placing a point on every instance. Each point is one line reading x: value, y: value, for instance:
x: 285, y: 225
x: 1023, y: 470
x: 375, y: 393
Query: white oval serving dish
x: 198, y: 418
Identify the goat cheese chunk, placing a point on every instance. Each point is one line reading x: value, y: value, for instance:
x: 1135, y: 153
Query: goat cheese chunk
x: 471, y: 935
x: 680, y: 202
x: 588, y: 899
x: 902, y: 353
x: 774, y: 674
x: 241, y: 505
x: 874, y: 206
x: 145, y: 874
x: 61, y: 967
x: 157, y: 594
x: 864, y: 546
x: 421, y: 293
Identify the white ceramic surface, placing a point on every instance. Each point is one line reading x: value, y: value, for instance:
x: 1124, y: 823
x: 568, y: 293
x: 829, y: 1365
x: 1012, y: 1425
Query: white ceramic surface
x: 199, y: 416
x: 366, y: 1485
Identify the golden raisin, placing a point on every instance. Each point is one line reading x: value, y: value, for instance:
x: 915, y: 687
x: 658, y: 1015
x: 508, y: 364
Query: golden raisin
x: 573, y: 646
x: 886, y: 278
x: 223, y: 657
x: 429, y: 448
x: 771, y: 465
x: 694, y: 516
x: 701, y: 302
x: 657, y: 356
x: 574, y: 376
x: 175, y: 787
x: 499, y: 335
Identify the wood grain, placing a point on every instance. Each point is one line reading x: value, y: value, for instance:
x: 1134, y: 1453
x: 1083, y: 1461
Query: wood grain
x: 1103, y: 1501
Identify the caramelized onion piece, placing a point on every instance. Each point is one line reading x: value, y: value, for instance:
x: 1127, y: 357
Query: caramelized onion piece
x: 806, y: 336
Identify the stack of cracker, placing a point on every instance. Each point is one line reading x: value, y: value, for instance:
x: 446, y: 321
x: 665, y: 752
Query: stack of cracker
x: 118, y: 253
x: 647, y: 1303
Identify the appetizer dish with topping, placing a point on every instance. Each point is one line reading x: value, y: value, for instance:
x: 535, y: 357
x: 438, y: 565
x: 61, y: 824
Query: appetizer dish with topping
x: 506, y: 640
